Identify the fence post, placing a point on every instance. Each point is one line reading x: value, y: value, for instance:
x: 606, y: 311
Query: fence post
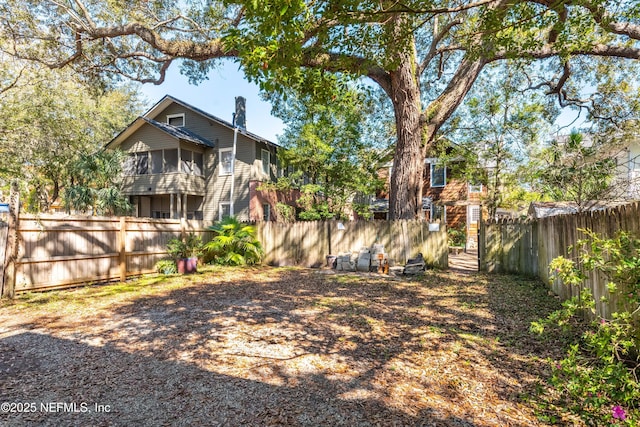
x: 11, y: 253
x: 122, y: 249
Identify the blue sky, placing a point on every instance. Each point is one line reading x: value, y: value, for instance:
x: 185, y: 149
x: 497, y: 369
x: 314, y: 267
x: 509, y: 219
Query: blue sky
x: 217, y: 96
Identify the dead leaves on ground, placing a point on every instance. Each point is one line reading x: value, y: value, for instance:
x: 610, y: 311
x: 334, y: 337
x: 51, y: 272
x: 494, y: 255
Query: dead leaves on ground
x: 304, y: 348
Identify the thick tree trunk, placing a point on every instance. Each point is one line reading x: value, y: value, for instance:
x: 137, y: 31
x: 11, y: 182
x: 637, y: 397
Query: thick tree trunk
x: 408, y: 162
x: 416, y: 130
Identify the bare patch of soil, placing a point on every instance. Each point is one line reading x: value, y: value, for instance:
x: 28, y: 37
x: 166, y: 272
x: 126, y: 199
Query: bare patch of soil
x: 277, y: 347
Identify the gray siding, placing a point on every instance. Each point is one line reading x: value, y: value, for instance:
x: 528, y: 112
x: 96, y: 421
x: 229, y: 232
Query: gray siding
x: 148, y: 138
x: 164, y: 184
x: 257, y: 173
x: 219, y: 187
x: 215, y: 188
x: 195, y: 122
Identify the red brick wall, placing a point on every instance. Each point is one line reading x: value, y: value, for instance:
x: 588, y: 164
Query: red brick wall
x: 258, y: 198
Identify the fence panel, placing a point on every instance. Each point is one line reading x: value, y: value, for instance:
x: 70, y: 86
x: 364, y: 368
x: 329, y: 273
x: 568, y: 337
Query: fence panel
x: 59, y: 251
x: 308, y: 243
x: 528, y: 247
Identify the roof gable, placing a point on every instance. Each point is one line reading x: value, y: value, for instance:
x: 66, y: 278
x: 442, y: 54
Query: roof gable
x: 167, y: 100
x: 180, y: 133
x: 173, y: 131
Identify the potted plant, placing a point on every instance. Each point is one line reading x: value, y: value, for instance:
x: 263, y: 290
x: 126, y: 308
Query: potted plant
x: 185, y: 251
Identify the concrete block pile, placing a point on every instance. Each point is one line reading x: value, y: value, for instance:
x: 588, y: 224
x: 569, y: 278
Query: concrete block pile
x: 365, y: 260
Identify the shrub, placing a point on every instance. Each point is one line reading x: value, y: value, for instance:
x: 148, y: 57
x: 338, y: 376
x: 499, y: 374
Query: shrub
x: 598, y: 380
x: 166, y: 266
x: 187, y: 247
x: 235, y: 243
x: 457, y: 236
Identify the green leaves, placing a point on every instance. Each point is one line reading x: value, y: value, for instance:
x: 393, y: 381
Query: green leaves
x: 235, y: 243
x: 573, y: 170
x: 599, y: 372
x: 326, y: 146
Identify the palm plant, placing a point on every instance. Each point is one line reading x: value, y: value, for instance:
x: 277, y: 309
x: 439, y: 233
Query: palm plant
x: 235, y: 243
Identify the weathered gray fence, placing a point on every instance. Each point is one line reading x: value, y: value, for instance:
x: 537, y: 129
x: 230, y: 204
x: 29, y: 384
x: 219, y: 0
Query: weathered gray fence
x: 308, y: 243
x: 528, y: 246
x: 56, y: 251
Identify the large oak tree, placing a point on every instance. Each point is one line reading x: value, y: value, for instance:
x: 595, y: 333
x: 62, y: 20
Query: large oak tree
x: 425, y: 55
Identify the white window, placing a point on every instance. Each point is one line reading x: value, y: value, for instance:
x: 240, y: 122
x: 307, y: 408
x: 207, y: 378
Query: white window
x: 226, y: 161
x: 474, y: 213
x: 175, y: 120
x: 475, y: 188
x: 266, y: 160
x: 438, y: 213
x: 438, y: 176
x: 225, y: 210
x: 266, y: 212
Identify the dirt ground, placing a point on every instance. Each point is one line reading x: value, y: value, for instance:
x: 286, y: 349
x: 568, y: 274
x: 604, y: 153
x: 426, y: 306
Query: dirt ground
x: 277, y: 347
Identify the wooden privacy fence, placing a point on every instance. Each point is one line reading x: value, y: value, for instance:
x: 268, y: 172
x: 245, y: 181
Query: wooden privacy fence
x: 528, y: 246
x: 56, y: 251
x: 308, y: 243
x: 4, y: 228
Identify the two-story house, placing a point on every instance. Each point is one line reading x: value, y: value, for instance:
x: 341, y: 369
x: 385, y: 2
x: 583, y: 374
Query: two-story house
x: 445, y: 199
x: 186, y: 163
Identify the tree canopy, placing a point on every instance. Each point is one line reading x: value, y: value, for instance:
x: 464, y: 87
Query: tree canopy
x: 52, y: 123
x: 328, y: 153
x: 581, y: 170
x: 425, y: 55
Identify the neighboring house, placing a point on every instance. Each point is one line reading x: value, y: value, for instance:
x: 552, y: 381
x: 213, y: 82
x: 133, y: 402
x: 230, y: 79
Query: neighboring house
x: 450, y: 201
x: 181, y: 165
x: 546, y: 209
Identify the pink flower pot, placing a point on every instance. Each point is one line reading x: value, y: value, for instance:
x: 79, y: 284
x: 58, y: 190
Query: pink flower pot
x: 187, y: 265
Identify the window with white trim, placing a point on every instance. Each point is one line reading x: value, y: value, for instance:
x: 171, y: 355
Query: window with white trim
x: 266, y: 160
x: 475, y: 214
x: 176, y: 120
x: 438, y: 175
x: 226, y: 161
x: 475, y: 188
x: 225, y: 210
